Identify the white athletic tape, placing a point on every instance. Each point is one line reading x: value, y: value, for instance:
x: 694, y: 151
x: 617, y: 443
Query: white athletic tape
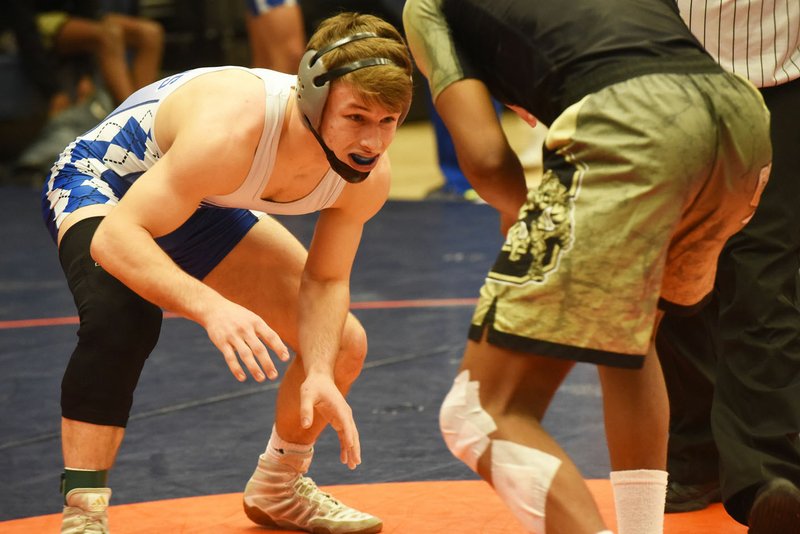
x: 465, y: 425
x: 522, y: 477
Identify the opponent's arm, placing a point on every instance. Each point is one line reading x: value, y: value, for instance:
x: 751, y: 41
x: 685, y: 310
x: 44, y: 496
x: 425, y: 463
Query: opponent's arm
x: 483, y: 152
x: 484, y: 155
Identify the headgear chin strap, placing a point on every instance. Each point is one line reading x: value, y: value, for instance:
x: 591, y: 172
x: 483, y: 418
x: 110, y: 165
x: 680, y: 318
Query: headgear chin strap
x: 339, y: 167
x: 314, y: 84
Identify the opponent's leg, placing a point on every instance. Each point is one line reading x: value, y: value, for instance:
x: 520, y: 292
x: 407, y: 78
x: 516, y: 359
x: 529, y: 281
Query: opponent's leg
x: 637, y: 419
x: 491, y: 420
x: 271, y: 259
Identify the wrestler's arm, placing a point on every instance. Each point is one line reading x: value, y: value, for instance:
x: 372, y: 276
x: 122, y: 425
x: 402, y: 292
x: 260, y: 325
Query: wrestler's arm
x: 484, y: 155
x: 466, y: 108
x: 206, y: 156
x: 325, y: 302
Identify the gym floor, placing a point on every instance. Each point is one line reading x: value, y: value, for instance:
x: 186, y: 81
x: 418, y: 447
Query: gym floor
x: 196, y: 433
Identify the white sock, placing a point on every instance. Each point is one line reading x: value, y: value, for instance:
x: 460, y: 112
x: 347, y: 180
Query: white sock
x: 296, y: 455
x: 278, y: 446
x: 639, y: 496
x: 605, y: 532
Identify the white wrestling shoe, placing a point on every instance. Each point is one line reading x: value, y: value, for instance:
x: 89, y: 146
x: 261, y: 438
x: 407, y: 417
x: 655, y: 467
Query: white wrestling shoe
x: 279, y: 496
x: 86, y: 511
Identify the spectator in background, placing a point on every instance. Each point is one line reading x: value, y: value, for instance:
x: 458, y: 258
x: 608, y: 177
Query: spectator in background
x: 733, y: 369
x: 276, y: 34
x: 19, y: 17
x: 74, y: 27
x: 70, y: 32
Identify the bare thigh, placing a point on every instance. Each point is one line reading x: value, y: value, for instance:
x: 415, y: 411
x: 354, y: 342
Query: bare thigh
x: 262, y: 273
x: 514, y: 382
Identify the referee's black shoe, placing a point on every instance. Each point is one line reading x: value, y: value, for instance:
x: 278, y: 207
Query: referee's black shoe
x: 690, y: 497
x: 776, y: 509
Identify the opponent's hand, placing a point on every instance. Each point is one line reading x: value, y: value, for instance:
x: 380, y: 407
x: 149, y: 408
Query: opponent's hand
x: 236, y: 330
x: 318, y: 392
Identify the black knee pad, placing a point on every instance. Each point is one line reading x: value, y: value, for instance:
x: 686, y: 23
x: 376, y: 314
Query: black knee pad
x: 118, y: 330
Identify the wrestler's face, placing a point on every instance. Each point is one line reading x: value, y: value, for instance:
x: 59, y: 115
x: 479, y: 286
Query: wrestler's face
x: 357, y: 132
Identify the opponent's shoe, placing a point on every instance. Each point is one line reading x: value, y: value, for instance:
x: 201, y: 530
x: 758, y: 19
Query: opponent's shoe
x: 279, y: 496
x: 86, y: 511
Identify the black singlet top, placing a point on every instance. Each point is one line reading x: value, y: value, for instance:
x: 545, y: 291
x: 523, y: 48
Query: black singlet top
x: 546, y: 55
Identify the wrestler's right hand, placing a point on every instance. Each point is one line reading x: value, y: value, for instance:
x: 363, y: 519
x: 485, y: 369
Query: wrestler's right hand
x: 236, y: 330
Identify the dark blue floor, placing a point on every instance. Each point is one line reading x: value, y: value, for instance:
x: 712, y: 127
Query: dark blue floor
x: 195, y: 430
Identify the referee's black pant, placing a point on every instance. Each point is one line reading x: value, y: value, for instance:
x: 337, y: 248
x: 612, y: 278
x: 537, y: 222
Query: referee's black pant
x: 733, y: 370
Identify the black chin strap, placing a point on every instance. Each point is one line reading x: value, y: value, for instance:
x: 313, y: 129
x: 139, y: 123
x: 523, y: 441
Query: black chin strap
x: 340, y: 167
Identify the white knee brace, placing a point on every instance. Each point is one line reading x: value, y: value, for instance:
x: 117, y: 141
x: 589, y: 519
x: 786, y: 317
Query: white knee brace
x: 521, y: 475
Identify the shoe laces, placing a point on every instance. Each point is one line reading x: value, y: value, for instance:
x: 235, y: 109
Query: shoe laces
x: 325, y: 503
x: 97, y: 527
x: 94, y: 522
x: 306, y: 487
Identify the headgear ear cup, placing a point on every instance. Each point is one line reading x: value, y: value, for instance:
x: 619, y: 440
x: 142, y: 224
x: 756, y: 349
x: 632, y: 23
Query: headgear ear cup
x: 310, y: 97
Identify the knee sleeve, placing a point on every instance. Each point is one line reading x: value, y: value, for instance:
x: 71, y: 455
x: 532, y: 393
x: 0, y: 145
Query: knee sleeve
x: 118, y: 330
x: 521, y: 475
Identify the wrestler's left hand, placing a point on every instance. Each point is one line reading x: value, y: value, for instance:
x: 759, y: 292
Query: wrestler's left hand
x: 318, y: 392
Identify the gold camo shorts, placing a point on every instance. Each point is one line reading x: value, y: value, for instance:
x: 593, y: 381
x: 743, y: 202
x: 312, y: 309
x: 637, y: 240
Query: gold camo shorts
x: 643, y: 183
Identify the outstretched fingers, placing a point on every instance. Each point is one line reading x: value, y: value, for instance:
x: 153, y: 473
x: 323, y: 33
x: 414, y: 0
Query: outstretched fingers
x: 229, y: 354
x: 273, y: 341
x: 350, y: 446
x: 321, y: 394
x: 249, y: 339
x: 252, y: 350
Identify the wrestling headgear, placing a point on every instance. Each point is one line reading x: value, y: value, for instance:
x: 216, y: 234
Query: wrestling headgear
x: 313, y: 85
